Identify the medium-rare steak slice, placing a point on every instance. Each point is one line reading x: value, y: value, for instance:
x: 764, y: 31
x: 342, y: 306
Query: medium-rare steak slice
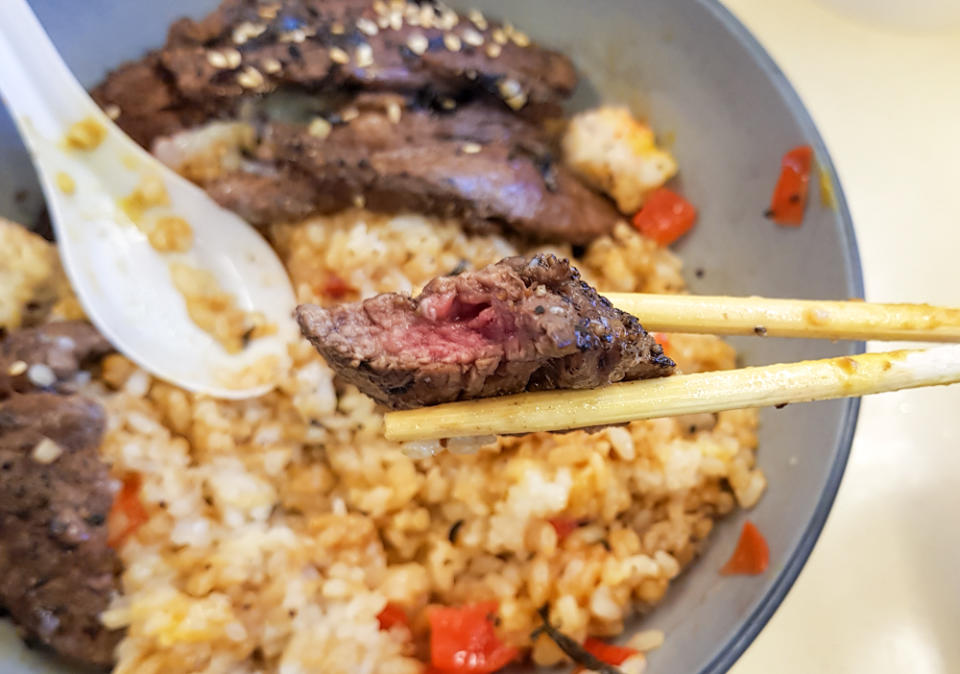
x: 57, y: 573
x: 249, y: 47
x: 523, y: 324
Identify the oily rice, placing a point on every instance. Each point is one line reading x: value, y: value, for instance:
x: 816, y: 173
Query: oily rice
x: 280, y: 527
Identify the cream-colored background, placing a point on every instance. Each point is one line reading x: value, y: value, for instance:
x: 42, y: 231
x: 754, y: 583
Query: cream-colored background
x: 881, y: 592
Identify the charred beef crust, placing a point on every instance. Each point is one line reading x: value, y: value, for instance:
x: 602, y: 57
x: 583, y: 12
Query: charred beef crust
x: 549, y: 330
x: 63, y: 347
x: 57, y: 572
x: 292, y: 43
x: 481, y: 165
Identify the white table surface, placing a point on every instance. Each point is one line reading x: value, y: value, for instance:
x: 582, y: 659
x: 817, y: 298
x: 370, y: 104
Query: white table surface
x: 881, y: 592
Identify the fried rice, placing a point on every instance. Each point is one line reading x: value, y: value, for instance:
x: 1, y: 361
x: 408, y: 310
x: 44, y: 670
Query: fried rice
x: 280, y: 527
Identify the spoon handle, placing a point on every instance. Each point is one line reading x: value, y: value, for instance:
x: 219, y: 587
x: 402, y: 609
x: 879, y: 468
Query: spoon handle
x: 35, y: 83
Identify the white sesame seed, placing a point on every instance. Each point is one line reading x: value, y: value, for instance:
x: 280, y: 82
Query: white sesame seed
x: 359, y: 201
x: 394, y: 112
x: 297, y: 36
x: 540, y: 291
x: 448, y: 103
x: 319, y: 128
x: 452, y: 42
x: 337, y: 55
x: 418, y: 43
x: 46, y: 451
x: 517, y: 102
x: 412, y: 15
x: 367, y: 26
x: 471, y: 148
x: 233, y: 58
x: 448, y: 19
x: 380, y: 7
x: 499, y: 36
x: 476, y: 16
x: 494, y: 50
x: 272, y: 66
x: 557, y: 311
x: 17, y: 368
x: 472, y: 37
x: 427, y: 16
x: 250, y: 78
x: 269, y: 11
x: 383, y: 22
x: 217, y: 59
x: 246, y: 31
x: 41, y: 375
x: 112, y: 110
x: 337, y: 28
x: 349, y: 114
x: 509, y: 88
x: 520, y: 39
x: 471, y: 74
x: 398, y: 5
x: 396, y: 20
x: 364, y: 56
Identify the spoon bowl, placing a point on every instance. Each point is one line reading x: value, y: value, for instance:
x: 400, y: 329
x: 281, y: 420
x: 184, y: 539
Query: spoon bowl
x: 93, y: 177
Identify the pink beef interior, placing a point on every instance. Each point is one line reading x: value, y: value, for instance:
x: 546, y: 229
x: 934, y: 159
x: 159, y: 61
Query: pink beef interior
x: 450, y: 330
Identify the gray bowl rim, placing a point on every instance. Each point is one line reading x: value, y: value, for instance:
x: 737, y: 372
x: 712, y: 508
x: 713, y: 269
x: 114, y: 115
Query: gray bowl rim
x: 771, y: 601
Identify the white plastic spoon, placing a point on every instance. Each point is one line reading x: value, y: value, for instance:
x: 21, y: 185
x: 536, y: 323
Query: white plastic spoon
x: 123, y: 283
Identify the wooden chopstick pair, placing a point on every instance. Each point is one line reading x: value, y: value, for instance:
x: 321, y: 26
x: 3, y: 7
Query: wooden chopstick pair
x: 842, y: 377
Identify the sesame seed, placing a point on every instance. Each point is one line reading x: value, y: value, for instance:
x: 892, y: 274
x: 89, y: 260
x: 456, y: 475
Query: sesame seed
x: 427, y: 16
x: 296, y: 36
x: 233, y: 58
x: 396, y: 20
x: 448, y: 103
x: 337, y: 28
x: 272, y: 66
x: 364, y: 56
x: 394, y: 112
x: 380, y: 7
x: 337, y: 55
x: 509, y: 88
x: 471, y: 148
x: 246, y: 31
x: 65, y: 183
x: 520, y: 39
x: 517, y: 102
x: 46, y: 451
x: 472, y: 74
x: 418, y: 43
x: 17, y: 368
x: 476, y: 16
x: 217, y: 59
x: 494, y: 50
x: 359, y: 201
x: 412, y: 15
x: 319, y: 128
x: 112, y: 110
x: 367, y: 26
x: 349, y: 114
x: 41, y: 375
x: 269, y: 11
x: 557, y: 311
x: 499, y: 36
x: 250, y: 78
x: 448, y: 19
x: 398, y: 5
x: 383, y: 22
x: 452, y: 42
x: 472, y: 37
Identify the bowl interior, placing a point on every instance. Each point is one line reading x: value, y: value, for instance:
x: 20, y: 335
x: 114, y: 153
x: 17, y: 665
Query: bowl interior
x: 699, y: 77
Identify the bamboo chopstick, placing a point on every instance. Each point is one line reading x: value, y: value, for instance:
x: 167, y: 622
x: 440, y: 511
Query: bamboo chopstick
x: 791, y: 318
x: 846, y: 376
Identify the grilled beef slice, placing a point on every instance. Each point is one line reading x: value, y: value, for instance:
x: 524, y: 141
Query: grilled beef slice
x: 57, y: 573
x: 523, y: 324
x: 48, y: 357
x: 250, y: 47
x: 479, y: 164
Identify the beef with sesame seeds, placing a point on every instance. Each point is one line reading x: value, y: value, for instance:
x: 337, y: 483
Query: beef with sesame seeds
x: 244, y: 47
x: 485, y: 166
x: 522, y: 324
x: 57, y: 573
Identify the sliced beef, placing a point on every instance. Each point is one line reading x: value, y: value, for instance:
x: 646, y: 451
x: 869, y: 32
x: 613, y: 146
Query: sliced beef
x: 57, y: 573
x: 251, y: 47
x: 482, y: 165
x: 49, y: 357
x: 523, y: 324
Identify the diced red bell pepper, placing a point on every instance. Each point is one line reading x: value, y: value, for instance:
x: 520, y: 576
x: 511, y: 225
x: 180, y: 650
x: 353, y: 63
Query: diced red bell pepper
x: 391, y: 616
x: 789, y: 199
x: 127, y: 513
x: 564, y: 526
x: 665, y: 216
x: 334, y: 287
x: 752, y: 555
x: 463, y: 640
